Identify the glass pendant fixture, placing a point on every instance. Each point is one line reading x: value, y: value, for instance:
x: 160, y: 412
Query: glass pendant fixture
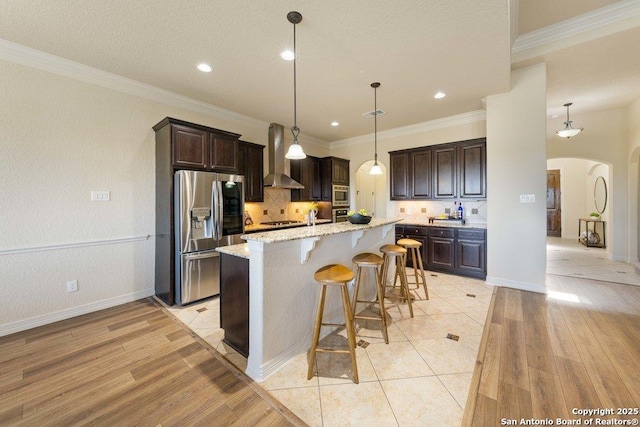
x: 375, y: 169
x: 295, y: 151
x: 568, y: 130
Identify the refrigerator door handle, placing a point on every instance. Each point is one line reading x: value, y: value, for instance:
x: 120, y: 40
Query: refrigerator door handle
x: 201, y: 255
x: 215, y: 211
x: 220, y: 206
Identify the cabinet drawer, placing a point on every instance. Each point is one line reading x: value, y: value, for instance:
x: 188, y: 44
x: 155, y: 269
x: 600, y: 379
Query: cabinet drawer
x: 471, y: 234
x: 399, y: 229
x: 442, y: 232
x: 414, y: 230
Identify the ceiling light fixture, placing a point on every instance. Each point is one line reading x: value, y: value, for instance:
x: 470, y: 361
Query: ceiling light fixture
x: 568, y: 130
x: 295, y: 150
x: 375, y: 169
x: 439, y: 95
x: 334, y: 124
x: 287, y: 55
x: 205, y: 68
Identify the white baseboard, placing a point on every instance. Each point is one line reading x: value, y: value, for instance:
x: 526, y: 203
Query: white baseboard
x: 45, y: 319
x: 525, y: 286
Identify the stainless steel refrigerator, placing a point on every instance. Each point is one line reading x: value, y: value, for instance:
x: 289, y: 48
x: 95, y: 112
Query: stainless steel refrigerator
x: 209, y: 212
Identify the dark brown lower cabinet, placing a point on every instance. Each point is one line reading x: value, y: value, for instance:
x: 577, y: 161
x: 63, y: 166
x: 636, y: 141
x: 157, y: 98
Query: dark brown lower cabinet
x: 234, y: 302
x: 460, y: 251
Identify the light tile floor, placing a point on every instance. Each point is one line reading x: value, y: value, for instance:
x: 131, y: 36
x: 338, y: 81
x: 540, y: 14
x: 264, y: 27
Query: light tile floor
x: 420, y: 378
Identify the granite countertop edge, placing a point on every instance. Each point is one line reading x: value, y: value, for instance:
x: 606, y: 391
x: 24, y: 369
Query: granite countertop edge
x: 298, y: 233
x: 443, y: 223
x: 241, y: 250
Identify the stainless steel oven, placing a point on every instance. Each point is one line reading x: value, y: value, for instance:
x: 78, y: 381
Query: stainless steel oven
x: 340, y: 196
x: 340, y: 215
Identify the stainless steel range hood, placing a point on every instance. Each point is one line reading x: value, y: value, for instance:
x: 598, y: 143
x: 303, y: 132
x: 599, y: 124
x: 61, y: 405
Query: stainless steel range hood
x: 277, y: 178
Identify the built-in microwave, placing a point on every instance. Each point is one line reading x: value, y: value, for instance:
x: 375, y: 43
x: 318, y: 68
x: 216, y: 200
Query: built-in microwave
x: 340, y: 195
x: 339, y: 215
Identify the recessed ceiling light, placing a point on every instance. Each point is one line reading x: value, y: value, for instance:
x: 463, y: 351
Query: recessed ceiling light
x: 287, y: 55
x: 205, y: 68
x: 439, y: 95
x: 335, y: 124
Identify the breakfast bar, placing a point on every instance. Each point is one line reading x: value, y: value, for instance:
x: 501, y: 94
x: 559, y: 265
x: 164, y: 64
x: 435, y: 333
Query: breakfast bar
x: 282, y: 293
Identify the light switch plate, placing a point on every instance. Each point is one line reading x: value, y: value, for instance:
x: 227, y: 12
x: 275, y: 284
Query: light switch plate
x: 100, y: 196
x: 527, y: 198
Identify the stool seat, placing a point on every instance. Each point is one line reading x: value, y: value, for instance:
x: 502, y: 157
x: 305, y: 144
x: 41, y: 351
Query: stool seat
x: 367, y: 258
x: 409, y: 243
x: 333, y: 274
x: 393, y: 249
x: 336, y: 275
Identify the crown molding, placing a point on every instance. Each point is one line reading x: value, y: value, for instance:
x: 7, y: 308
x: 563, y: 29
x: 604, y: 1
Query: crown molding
x: 617, y: 16
x: 33, y: 58
x: 457, y: 120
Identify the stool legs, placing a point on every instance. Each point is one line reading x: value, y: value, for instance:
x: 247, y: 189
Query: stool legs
x: 420, y: 270
x: 400, y: 272
x: 379, y: 298
x: 349, y: 326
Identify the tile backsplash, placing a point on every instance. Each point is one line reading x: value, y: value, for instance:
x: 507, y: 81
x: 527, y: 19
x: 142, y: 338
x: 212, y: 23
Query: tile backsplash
x: 277, y: 206
x: 475, y: 211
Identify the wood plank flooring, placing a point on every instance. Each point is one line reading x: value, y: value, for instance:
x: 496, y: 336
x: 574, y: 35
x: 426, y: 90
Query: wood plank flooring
x: 129, y: 365
x: 544, y: 355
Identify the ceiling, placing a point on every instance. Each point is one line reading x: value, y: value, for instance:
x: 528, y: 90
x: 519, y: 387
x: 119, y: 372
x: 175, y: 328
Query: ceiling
x: 414, y: 48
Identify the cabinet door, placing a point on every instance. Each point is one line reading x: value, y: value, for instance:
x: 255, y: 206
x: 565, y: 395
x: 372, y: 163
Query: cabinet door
x: 423, y: 250
x: 440, y: 254
x: 302, y: 171
x: 470, y: 257
x: 473, y: 170
x: 315, y: 171
x: 190, y: 148
x: 421, y: 174
x: 255, y: 172
x: 399, y: 165
x: 224, y: 154
x: 340, y: 171
x: 444, y: 172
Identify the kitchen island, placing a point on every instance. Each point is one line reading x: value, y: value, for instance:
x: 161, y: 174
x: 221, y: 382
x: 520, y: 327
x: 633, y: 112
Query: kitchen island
x: 282, y: 293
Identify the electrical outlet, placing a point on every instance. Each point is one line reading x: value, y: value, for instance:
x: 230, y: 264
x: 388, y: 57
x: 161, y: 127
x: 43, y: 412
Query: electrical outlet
x: 447, y: 210
x: 100, y: 196
x: 72, y: 286
x: 423, y: 210
x: 474, y: 211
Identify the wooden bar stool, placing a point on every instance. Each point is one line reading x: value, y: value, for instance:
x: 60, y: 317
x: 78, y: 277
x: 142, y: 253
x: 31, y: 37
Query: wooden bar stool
x: 334, y: 275
x: 370, y: 260
x: 413, y: 249
x: 400, y: 254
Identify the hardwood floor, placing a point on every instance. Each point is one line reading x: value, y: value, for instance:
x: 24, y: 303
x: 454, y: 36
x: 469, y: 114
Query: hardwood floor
x: 542, y: 356
x: 129, y: 365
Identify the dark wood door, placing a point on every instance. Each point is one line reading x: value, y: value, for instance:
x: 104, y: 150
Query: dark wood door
x: 444, y: 172
x: 190, y: 148
x: 421, y: 174
x: 340, y: 171
x: 315, y: 172
x: 554, y: 226
x: 473, y: 170
x: 399, y: 176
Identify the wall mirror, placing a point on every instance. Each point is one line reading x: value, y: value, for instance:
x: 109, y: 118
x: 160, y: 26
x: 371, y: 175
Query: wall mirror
x: 600, y: 194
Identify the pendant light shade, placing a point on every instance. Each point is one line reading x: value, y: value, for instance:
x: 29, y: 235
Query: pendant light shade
x: 568, y: 130
x: 295, y: 151
x: 375, y: 169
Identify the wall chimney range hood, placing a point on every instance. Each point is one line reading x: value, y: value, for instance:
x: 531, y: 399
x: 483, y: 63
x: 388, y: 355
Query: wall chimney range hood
x: 277, y: 178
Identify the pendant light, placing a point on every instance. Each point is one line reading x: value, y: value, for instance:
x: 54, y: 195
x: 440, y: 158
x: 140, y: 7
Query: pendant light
x: 295, y: 150
x: 375, y: 169
x: 568, y: 131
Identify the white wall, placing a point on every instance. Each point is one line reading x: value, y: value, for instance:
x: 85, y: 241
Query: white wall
x: 633, y: 120
x: 516, y: 163
x: 604, y: 140
x: 60, y: 139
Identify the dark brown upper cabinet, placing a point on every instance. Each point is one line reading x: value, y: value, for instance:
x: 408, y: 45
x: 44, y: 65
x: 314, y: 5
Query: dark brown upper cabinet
x: 307, y: 172
x: 201, y: 148
x: 445, y: 171
x: 335, y: 171
x: 473, y: 169
x: 250, y: 164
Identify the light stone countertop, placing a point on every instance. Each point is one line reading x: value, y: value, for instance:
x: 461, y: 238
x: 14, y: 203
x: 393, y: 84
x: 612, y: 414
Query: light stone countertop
x: 442, y: 223
x: 317, y: 231
x: 266, y: 227
x: 241, y: 250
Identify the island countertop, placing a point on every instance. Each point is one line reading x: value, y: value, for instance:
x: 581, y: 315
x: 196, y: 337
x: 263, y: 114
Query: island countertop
x: 317, y: 231
x: 241, y: 250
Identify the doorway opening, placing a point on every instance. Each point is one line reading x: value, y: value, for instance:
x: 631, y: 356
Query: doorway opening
x: 371, y: 190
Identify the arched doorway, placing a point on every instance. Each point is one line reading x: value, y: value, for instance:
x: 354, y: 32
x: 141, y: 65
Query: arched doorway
x: 370, y: 190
